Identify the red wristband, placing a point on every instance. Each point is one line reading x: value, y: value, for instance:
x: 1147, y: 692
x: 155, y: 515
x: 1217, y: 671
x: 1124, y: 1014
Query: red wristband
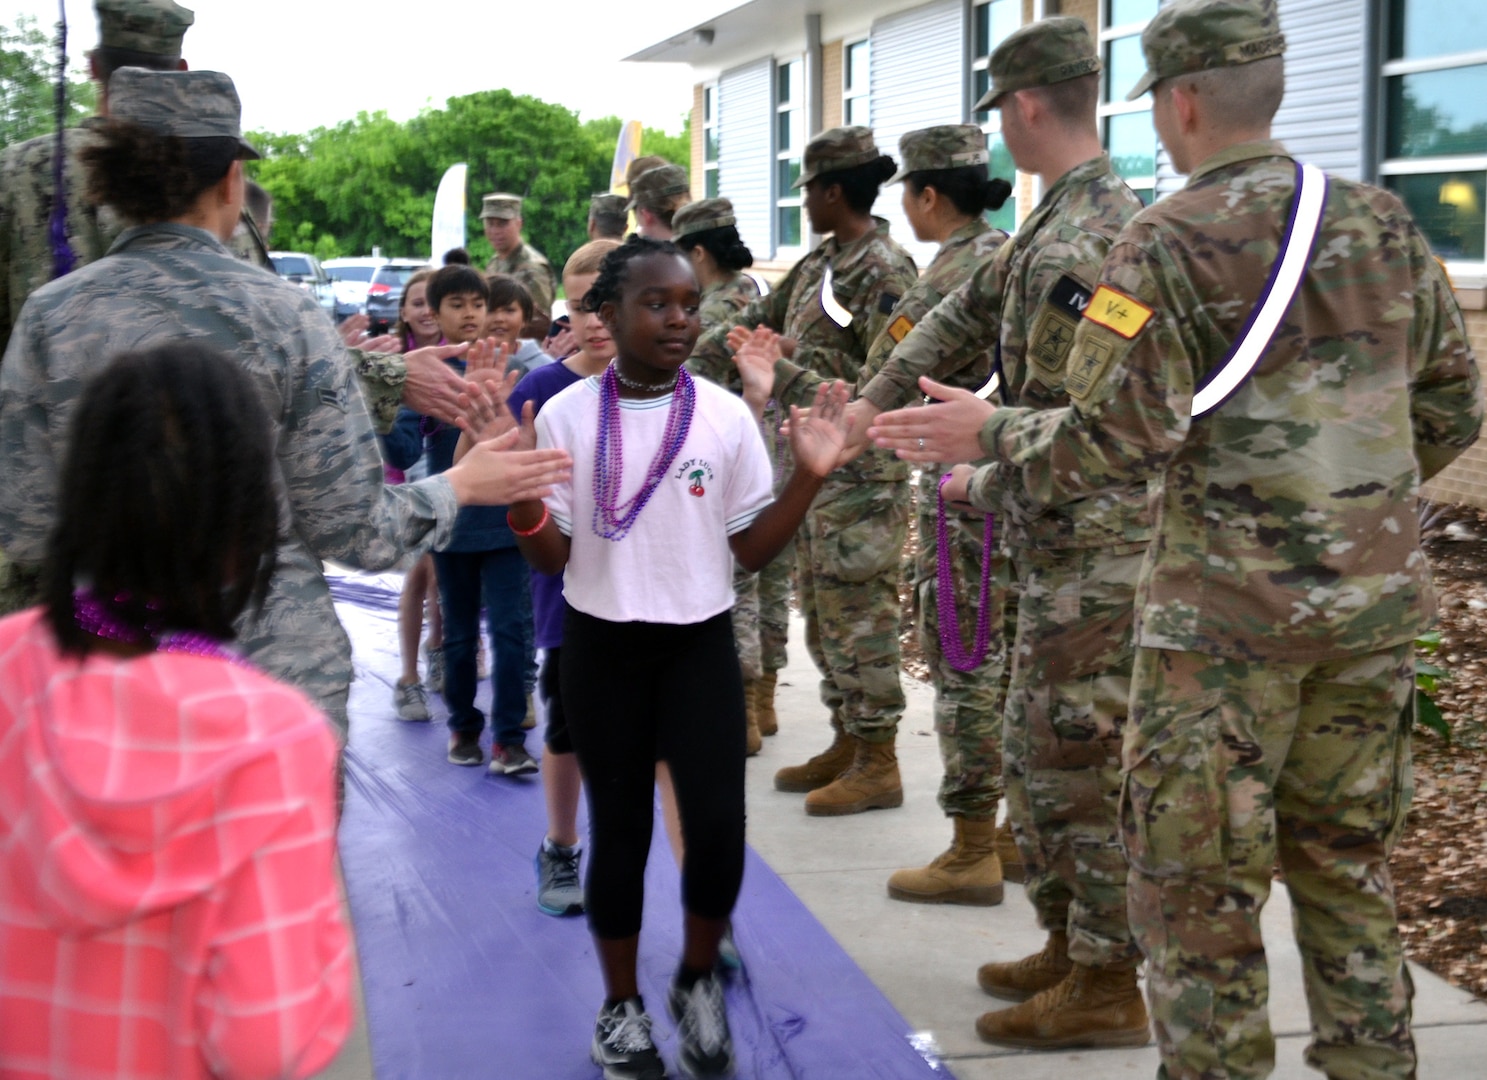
x: 534, y: 530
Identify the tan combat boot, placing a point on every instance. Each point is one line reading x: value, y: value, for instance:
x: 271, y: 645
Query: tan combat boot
x: 870, y: 783
x: 753, y: 741
x: 1011, y: 858
x: 769, y: 722
x: 1021, y: 979
x: 1098, y: 1007
x: 821, y: 769
x: 969, y: 873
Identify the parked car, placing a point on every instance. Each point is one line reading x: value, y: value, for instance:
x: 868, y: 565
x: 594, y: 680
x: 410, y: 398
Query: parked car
x: 306, y: 272
x: 349, y: 280
x: 385, y: 292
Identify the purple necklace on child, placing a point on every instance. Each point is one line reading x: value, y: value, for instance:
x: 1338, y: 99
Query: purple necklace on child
x: 612, y: 518
x: 951, y: 646
x: 95, y: 617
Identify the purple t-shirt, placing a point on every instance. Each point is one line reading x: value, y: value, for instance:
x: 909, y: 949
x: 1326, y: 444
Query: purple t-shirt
x: 539, y: 386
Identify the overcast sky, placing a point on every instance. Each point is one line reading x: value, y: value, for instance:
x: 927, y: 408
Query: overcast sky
x: 300, y: 64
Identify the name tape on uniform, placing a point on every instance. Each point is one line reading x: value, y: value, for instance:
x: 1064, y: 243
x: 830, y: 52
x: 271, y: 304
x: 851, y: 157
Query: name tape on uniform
x: 1117, y: 311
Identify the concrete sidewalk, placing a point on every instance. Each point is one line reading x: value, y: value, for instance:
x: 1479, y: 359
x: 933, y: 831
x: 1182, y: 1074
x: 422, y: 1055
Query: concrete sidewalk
x: 924, y: 957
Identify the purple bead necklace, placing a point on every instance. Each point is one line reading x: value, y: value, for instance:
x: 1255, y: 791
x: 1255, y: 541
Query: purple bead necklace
x: 95, y: 617
x: 612, y: 518
x: 951, y: 646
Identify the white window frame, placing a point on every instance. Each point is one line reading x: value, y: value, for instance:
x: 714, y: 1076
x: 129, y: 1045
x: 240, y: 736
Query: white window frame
x: 710, y: 177
x: 789, y: 198
x: 852, y: 93
x: 1121, y: 107
x: 1460, y: 270
x: 992, y: 125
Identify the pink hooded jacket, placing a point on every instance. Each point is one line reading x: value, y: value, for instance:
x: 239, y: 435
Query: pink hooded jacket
x: 168, y: 899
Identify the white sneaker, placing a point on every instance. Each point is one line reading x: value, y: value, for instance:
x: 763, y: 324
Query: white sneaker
x: 410, y: 701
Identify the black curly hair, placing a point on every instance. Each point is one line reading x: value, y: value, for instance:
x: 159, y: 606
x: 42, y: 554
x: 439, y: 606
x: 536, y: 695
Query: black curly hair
x: 968, y: 187
x: 861, y: 183
x: 166, y: 498
x: 607, y: 286
x: 723, y: 244
x: 149, y: 177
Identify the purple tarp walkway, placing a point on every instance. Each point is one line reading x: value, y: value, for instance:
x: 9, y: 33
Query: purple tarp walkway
x: 464, y: 977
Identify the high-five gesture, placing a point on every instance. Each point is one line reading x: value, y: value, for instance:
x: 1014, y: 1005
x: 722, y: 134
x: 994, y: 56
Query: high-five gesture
x: 755, y: 359
x: 947, y: 432
x: 818, y: 436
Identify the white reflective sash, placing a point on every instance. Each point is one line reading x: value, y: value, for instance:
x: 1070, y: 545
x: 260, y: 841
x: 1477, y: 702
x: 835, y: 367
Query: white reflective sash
x: 838, y: 314
x: 1285, y: 280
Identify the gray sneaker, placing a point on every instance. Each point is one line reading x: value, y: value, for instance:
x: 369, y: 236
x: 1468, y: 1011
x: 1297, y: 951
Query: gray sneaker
x: 704, y: 1047
x: 622, y: 1043
x: 511, y: 761
x: 559, y: 891
x: 410, y: 701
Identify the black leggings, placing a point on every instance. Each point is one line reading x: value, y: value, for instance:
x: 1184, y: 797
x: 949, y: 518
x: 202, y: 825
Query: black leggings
x: 635, y: 693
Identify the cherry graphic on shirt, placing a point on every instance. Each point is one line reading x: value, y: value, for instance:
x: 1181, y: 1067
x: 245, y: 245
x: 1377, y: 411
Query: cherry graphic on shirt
x: 696, y: 488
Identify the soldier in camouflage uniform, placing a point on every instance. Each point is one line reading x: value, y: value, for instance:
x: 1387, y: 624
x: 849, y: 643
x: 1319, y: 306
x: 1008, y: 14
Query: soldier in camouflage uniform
x: 656, y: 194
x: 1272, y: 681
x: 607, y: 217
x: 167, y: 279
x: 501, y: 215
x: 936, y: 163
x: 831, y: 307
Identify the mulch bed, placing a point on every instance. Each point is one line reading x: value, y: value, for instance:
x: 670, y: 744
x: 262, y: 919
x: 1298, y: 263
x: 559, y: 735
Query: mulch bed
x: 1440, y: 864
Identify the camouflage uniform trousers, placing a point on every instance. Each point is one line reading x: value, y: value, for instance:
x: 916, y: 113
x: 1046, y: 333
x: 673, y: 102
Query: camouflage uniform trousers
x: 1230, y: 764
x: 761, y: 616
x: 968, y: 704
x: 1066, y: 714
x: 848, y: 560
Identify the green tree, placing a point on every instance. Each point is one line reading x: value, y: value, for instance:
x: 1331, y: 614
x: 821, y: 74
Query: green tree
x: 28, y: 66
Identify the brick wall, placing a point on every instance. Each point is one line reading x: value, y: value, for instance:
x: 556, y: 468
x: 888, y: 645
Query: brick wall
x: 1465, y: 479
x: 831, y: 85
x: 694, y: 173
x: 1088, y: 10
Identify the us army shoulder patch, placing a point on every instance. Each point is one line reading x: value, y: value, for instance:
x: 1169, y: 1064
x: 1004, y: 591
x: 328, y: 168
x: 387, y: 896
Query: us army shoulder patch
x: 1053, y: 330
x: 899, y: 328
x: 1117, y: 311
x: 1087, y: 367
x: 887, y: 302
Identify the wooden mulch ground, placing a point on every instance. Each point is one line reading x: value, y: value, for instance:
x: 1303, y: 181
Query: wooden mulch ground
x: 1440, y: 865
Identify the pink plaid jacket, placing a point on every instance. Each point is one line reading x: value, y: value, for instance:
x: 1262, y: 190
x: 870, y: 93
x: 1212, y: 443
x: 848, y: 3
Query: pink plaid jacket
x: 168, y: 900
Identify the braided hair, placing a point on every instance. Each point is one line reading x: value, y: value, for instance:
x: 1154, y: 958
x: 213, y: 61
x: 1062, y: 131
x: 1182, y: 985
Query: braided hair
x: 612, y: 271
x: 166, y: 504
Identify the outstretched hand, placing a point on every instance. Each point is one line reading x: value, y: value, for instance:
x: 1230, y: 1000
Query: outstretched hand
x: 817, y: 437
x: 946, y: 432
x: 432, y: 387
x: 755, y: 359
x: 495, y: 473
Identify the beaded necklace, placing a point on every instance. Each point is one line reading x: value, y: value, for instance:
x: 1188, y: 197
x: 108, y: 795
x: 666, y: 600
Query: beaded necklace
x: 93, y: 616
x: 951, y: 646
x: 612, y: 518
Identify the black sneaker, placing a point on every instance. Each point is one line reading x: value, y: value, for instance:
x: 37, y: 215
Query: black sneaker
x: 704, y: 1048
x: 559, y: 891
x: 512, y: 761
x: 622, y: 1043
x: 464, y: 748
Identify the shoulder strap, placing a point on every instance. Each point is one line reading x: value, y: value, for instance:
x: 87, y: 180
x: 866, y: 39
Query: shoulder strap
x: 1296, y: 247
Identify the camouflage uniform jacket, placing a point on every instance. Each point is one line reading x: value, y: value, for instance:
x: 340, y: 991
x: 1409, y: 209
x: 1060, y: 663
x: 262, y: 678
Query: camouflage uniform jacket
x: 723, y: 300
x: 26, y: 195
x: 164, y: 282
x: 531, y: 268
x: 870, y: 276
x: 1286, y: 525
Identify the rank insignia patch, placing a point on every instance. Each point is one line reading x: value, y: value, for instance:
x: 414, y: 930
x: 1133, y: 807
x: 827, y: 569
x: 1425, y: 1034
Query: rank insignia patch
x: 1087, y: 367
x: 899, y: 328
x: 1117, y: 311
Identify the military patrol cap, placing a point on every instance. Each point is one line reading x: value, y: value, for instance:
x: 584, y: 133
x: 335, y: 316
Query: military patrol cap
x: 1051, y: 50
x: 702, y: 215
x: 500, y: 205
x: 148, y: 26
x: 186, y: 104
x: 946, y: 147
x: 1197, y: 35
x: 837, y: 149
x: 604, y: 203
x: 654, y: 186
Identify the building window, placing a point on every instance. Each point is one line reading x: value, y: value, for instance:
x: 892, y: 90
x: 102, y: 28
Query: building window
x: 710, y: 140
x: 990, y: 23
x: 1435, y: 122
x: 789, y: 145
x: 1126, y: 126
x: 856, y: 84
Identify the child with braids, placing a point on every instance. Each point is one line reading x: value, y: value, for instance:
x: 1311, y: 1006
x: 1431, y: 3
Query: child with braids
x: 671, y: 483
